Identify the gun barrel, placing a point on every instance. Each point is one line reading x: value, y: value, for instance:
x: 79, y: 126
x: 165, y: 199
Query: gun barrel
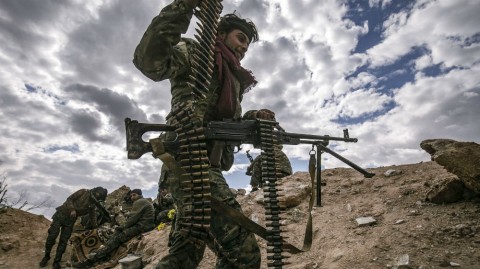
x: 294, y: 138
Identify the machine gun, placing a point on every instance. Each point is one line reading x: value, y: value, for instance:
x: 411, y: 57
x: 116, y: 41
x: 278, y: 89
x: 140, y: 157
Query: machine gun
x: 236, y: 133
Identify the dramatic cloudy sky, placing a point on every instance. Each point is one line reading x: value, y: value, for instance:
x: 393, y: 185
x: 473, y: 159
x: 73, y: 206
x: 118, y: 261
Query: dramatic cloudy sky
x: 393, y: 72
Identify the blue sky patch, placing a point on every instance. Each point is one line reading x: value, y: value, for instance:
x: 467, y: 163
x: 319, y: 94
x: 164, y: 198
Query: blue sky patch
x: 72, y: 148
x: 29, y: 88
x: 365, y: 117
x: 359, y: 12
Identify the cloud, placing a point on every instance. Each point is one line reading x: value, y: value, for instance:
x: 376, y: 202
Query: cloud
x: 394, y: 73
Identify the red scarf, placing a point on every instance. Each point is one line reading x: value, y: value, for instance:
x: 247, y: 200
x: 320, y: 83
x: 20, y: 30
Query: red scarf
x: 229, y: 66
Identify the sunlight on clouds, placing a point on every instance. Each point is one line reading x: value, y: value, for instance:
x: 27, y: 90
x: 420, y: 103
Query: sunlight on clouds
x: 236, y: 168
x: 362, y: 102
x: 471, y: 94
x: 422, y: 27
x: 93, y: 6
x: 423, y: 62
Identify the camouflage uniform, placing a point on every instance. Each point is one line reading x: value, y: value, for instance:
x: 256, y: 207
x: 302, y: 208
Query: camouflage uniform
x: 163, y: 54
x: 62, y: 223
x: 255, y: 169
x: 139, y: 221
x: 165, y: 204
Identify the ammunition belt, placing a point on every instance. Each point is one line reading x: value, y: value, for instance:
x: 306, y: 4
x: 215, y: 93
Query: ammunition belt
x: 273, y: 209
x: 193, y: 157
x: 202, y: 61
x: 195, y: 183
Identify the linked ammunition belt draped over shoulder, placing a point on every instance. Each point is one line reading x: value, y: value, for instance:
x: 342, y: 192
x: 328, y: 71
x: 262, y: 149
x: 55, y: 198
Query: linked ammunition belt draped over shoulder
x: 192, y: 158
x: 193, y: 155
x: 192, y: 161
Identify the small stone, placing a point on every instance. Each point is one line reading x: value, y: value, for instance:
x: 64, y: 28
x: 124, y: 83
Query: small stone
x: 391, y: 172
x: 131, y: 262
x: 403, y: 262
x: 364, y: 221
x: 454, y: 264
x: 400, y: 221
x: 254, y: 218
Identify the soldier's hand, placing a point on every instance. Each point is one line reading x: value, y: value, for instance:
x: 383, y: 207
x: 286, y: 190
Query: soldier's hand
x: 118, y: 229
x: 73, y: 214
x: 265, y: 114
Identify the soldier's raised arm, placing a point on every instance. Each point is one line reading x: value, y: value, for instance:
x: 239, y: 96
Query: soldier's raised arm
x: 157, y: 55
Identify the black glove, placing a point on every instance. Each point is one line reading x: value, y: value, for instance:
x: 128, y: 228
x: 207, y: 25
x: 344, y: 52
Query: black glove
x: 118, y: 229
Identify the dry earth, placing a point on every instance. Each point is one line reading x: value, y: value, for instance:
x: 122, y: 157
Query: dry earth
x: 409, y: 232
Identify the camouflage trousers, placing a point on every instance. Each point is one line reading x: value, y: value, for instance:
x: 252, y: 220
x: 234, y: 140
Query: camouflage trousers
x: 117, y: 239
x: 62, y: 225
x: 235, y: 246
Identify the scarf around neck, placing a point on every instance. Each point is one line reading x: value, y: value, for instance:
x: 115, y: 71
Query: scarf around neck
x: 229, y: 67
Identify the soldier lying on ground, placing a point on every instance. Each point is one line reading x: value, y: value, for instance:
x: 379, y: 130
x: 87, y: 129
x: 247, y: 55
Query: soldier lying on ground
x: 80, y: 203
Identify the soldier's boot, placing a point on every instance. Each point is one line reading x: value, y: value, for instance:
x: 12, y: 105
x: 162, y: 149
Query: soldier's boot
x: 83, y: 264
x: 56, y: 265
x: 45, y: 260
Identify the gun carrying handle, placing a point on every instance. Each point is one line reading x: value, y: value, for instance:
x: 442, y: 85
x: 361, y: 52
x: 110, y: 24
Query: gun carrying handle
x: 216, y: 153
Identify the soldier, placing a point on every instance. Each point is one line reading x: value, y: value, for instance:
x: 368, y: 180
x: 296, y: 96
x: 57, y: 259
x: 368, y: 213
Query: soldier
x: 80, y: 203
x: 164, y: 204
x: 163, y: 54
x: 139, y: 221
x: 255, y: 168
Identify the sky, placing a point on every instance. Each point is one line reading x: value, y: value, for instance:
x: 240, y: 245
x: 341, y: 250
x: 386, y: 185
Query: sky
x: 393, y: 72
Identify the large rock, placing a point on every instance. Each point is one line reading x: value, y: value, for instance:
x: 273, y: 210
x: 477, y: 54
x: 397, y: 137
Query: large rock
x: 459, y: 158
x: 296, y: 189
x: 446, y: 190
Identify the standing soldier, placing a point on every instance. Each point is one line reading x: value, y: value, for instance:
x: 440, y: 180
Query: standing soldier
x: 255, y: 168
x: 80, y: 203
x: 163, y: 54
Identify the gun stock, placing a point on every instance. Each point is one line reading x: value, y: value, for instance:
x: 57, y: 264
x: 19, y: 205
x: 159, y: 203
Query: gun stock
x: 136, y: 147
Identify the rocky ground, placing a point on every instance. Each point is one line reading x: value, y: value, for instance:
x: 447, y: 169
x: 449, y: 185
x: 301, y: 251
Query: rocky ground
x: 408, y: 231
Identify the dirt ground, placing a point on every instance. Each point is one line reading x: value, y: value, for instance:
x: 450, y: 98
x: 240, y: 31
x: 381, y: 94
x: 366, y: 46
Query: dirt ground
x: 408, y: 233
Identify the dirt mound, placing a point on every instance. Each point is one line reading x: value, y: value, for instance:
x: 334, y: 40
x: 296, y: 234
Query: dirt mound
x: 22, y: 238
x: 407, y: 232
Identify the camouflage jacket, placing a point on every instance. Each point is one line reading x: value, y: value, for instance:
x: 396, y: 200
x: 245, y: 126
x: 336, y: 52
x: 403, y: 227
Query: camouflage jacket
x: 166, y: 202
x: 163, y: 54
x: 82, y: 202
x: 142, y: 214
x: 255, y: 168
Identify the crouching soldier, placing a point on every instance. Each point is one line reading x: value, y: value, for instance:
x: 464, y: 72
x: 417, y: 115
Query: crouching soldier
x: 140, y: 220
x: 80, y: 203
